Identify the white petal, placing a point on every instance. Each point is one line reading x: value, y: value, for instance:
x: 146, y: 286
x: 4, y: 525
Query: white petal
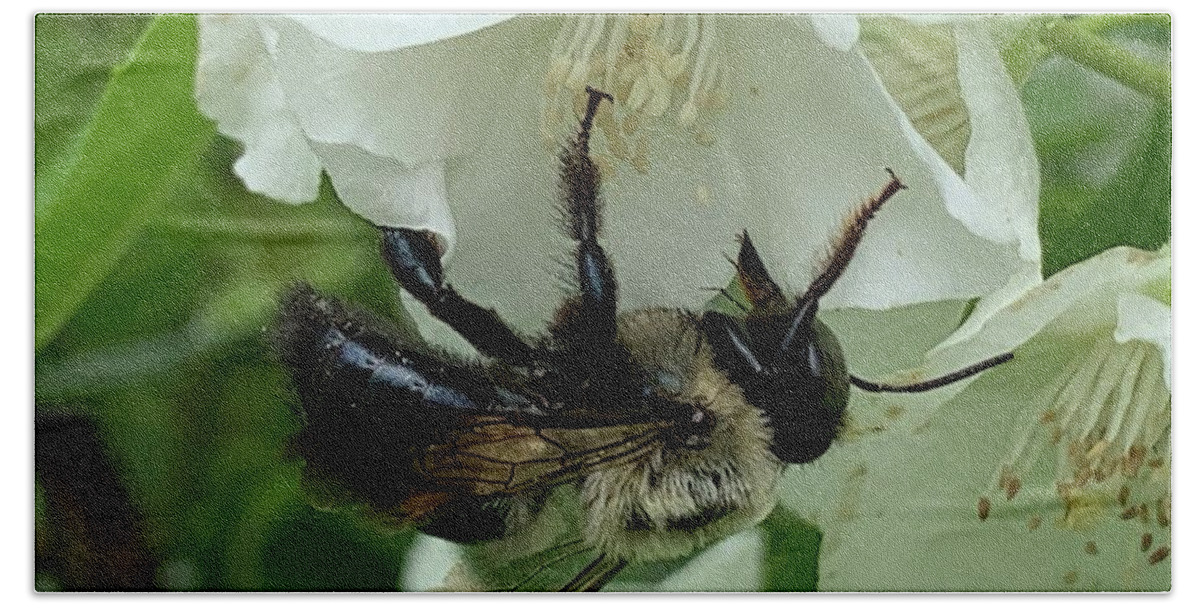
x: 918, y: 66
x: 734, y: 564
x: 1001, y: 164
x: 388, y: 194
x: 907, y: 518
x: 236, y: 86
x: 959, y: 108
x: 839, y: 31
x: 502, y: 195
x: 428, y: 562
x: 812, y: 144
x: 806, y: 136
x: 417, y: 104
x: 374, y: 33
x: 1140, y: 317
x: 1088, y: 290
x: 789, y: 163
x: 911, y: 490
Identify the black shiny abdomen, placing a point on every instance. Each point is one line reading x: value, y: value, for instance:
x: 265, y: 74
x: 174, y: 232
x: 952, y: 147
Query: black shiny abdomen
x: 368, y: 402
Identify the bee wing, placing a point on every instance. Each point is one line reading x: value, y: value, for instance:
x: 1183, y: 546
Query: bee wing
x: 496, y: 455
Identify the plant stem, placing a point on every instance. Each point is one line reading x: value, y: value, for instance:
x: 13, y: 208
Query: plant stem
x: 1104, y: 23
x: 1090, y: 50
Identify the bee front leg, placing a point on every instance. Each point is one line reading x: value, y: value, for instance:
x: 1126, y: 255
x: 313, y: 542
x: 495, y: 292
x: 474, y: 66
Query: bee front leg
x: 414, y: 258
x: 579, y: 189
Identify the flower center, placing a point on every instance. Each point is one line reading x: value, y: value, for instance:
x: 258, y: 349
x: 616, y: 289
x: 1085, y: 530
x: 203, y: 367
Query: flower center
x: 1103, y: 433
x: 656, y: 66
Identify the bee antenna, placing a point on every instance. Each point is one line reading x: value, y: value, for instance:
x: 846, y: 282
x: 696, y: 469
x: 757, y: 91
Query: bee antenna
x: 928, y: 385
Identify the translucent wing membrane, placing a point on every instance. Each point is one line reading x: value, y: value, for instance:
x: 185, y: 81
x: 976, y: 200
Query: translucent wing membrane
x: 497, y: 456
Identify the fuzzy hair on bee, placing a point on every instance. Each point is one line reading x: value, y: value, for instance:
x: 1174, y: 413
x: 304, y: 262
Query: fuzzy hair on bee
x: 671, y: 428
x: 713, y: 480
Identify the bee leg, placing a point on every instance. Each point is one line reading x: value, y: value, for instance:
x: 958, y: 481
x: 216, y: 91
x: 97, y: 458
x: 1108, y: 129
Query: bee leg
x: 597, y: 574
x: 580, y: 207
x: 845, y: 245
x: 569, y: 549
x: 842, y: 252
x: 414, y: 258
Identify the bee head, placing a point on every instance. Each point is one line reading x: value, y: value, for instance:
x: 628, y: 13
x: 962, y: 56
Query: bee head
x: 803, y: 391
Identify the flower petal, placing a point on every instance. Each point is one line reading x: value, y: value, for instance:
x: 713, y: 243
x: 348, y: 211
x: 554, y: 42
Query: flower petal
x: 236, y: 86
x: 924, y: 488
x: 374, y: 33
x: 403, y: 104
x: 790, y: 163
x: 963, y: 115
x: 385, y: 193
x: 918, y: 65
x: 1141, y: 317
x: 837, y: 30
x: 429, y: 561
x: 788, y: 159
x: 1098, y: 279
x: 1001, y: 165
x: 907, y: 518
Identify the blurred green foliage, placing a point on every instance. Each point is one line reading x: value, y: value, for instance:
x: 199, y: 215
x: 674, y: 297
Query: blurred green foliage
x: 157, y: 275
x: 103, y: 179
x: 1104, y: 148
x: 166, y: 346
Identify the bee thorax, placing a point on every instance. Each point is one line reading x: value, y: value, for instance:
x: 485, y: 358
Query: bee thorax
x: 714, y: 473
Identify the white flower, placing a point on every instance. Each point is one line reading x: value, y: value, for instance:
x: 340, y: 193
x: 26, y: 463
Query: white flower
x: 1051, y: 472
x: 779, y: 125
x: 776, y: 124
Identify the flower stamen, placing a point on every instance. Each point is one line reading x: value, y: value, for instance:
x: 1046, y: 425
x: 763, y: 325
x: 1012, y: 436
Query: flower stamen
x: 654, y: 65
x: 1105, y: 418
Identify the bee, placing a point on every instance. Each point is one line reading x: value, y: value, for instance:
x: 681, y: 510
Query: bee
x: 672, y: 427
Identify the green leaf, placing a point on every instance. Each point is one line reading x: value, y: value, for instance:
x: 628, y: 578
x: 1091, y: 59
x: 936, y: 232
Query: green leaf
x: 74, y: 57
x: 1111, y: 59
x: 311, y: 550
x: 145, y: 128
x: 790, y: 557
x: 1023, y: 49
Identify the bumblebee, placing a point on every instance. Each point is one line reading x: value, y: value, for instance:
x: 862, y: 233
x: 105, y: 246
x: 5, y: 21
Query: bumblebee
x: 672, y: 427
